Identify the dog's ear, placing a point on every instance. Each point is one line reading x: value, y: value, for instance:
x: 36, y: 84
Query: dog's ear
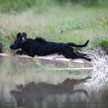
x: 24, y: 36
x: 18, y: 35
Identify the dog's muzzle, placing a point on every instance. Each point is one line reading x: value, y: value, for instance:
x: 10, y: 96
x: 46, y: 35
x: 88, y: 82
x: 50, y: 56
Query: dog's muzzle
x: 12, y: 47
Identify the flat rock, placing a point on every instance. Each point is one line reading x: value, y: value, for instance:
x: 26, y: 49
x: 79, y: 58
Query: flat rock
x: 53, y: 59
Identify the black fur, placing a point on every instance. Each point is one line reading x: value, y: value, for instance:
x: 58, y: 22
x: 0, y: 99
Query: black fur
x: 42, y: 47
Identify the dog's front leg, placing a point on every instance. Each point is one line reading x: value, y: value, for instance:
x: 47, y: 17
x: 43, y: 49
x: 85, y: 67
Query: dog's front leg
x: 18, y: 52
x: 29, y: 53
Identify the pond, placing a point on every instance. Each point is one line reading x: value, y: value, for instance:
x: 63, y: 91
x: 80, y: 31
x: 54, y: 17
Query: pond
x: 37, y: 83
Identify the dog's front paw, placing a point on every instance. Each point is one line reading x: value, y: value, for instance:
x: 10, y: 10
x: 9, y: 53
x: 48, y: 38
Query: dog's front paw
x: 19, y: 52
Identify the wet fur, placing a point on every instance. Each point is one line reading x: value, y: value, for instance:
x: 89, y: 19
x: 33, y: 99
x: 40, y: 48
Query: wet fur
x: 42, y: 47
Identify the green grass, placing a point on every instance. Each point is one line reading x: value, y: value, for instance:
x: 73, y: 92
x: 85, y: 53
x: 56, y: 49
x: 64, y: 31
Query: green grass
x: 78, y: 23
x: 104, y: 45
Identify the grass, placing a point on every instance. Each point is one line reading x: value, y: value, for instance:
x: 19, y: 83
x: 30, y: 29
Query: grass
x: 65, y: 23
x: 104, y: 45
x: 70, y: 23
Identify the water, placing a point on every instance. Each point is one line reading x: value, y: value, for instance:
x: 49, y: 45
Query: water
x: 34, y: 83
x: 99, y: 75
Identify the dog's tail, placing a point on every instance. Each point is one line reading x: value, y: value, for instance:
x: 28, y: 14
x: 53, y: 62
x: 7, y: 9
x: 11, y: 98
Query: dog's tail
x: 75, y: 45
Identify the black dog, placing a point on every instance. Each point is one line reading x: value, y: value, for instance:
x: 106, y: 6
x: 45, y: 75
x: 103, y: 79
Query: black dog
x: 43, y: 47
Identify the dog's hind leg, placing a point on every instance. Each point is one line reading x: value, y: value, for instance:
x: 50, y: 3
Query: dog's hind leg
x: 68, y: 52
x: 86, y: 58
x: 76, y: 56
x: 78, y: 53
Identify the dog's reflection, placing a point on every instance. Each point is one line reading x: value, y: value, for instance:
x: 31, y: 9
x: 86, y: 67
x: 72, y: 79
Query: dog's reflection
x: 37, y: 92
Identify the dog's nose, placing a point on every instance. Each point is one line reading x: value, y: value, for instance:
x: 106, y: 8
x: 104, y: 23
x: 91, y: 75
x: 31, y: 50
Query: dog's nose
x: 11, y: 47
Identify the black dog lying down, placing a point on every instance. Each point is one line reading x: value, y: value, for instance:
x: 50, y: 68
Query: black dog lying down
x: 43, y: 47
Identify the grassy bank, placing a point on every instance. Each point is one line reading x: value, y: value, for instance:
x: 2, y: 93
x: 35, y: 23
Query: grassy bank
x: 69, y: 23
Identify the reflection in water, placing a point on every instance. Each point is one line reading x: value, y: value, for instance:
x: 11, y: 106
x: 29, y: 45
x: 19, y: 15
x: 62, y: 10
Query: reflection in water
x: 28, y: 83
x: 17, y: 71
x: 38, y: 92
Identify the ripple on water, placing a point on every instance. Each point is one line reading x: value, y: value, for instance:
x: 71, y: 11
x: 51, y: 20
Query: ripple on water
x: 99, y: 74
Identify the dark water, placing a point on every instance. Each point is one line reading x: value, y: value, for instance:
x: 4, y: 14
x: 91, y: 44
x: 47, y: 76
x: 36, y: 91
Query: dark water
x: 33, y: 83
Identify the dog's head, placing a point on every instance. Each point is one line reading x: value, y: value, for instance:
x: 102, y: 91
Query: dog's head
x: 20, y: 39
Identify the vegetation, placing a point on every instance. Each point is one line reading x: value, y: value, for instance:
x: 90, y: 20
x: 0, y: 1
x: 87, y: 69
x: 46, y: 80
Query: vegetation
x: 55, y: 20
x: 104, y: 45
